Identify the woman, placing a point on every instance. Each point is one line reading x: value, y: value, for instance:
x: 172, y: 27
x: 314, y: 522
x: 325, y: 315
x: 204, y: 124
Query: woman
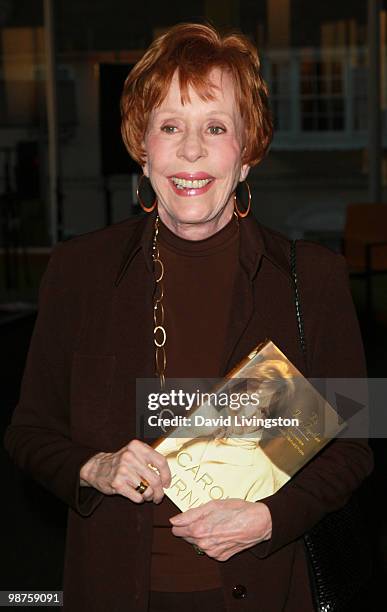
x: 195, y: 115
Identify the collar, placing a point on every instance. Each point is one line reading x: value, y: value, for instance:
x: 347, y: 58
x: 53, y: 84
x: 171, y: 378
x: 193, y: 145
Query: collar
x: 256, y: 241
x: 141, y: 238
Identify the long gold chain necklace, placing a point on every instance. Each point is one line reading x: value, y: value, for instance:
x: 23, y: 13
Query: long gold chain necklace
x: 159, y: 333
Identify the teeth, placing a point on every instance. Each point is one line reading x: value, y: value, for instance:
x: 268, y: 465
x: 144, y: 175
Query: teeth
x: 184, y: 184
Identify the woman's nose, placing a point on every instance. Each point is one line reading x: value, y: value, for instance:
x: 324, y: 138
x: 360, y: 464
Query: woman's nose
x: 191, y: 146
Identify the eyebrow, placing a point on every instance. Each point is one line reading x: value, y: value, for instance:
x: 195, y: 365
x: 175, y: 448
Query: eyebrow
x: 174, y: 111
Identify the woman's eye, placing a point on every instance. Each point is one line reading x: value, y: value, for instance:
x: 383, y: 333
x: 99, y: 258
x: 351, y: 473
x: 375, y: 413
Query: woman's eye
x: 169, y: 129
x: 216, y: 129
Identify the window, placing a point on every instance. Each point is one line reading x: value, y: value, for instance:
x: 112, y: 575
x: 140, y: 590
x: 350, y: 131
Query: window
x: 322, y: 95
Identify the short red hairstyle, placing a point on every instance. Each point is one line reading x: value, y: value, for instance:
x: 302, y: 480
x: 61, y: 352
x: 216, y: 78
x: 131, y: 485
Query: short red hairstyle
x: 194, y: 50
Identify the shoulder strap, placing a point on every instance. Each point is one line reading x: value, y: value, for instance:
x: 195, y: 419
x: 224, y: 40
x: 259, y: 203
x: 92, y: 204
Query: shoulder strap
x: 300, y: 321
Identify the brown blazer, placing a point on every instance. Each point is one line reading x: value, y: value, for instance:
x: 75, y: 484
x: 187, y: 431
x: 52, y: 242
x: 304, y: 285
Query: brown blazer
x: 94, y: 336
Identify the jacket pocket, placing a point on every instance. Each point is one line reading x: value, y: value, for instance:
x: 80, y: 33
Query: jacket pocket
x: 90, y: 396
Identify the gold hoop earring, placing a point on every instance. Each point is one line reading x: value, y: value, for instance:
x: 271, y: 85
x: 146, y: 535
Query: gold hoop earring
x: 147, y: 209
x: 246, y: 212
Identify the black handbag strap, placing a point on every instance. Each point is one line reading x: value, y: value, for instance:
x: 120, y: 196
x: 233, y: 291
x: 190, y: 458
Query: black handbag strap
x: 337, y: 537
x: 300, y: 321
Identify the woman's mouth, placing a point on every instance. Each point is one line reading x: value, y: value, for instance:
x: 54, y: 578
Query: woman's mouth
x: 190, y: 187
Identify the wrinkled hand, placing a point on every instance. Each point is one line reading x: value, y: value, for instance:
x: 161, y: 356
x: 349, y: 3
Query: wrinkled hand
x: 121, y: 472
x: 222, y: 528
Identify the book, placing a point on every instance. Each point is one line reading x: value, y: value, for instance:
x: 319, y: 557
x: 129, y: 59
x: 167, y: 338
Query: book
x: 270, y: 423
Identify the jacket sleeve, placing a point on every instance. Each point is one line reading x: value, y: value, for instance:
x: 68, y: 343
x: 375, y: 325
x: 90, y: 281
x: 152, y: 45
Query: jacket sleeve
x: 38, y: 438
x: 326, y: 483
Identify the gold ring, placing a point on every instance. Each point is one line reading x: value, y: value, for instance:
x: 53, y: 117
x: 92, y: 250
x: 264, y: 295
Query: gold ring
x: 142, y: 486
x: 198, y: 550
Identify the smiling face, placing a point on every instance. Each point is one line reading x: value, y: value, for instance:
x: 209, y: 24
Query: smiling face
x: 193, y: 157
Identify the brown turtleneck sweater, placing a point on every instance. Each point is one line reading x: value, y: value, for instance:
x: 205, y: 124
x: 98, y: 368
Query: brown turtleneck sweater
x: 198, y: 283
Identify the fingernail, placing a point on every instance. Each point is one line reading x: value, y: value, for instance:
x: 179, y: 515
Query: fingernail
x: 174, y: 519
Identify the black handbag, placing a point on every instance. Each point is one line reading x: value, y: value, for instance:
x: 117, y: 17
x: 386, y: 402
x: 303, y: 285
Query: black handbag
x: 337, y: 548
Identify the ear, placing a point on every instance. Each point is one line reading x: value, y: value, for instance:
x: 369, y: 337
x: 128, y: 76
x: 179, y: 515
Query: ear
x: 245, y: 169
x: 145, y: 167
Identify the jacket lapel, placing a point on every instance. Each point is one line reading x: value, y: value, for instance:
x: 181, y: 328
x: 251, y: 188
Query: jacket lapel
x: 252, y: 248
x: 241, y: 304
x: 141, y: 238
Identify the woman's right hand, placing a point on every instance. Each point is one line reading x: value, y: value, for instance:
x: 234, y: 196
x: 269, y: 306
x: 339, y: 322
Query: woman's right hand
x: 121, y: 472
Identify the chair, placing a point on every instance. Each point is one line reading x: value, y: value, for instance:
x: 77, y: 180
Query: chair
x: 365, y: 244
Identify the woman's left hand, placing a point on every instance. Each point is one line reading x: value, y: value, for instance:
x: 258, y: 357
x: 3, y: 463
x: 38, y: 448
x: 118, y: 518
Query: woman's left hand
x: 222, y: 528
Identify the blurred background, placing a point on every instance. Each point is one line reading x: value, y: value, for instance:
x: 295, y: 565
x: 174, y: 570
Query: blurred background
x: 64, y: 171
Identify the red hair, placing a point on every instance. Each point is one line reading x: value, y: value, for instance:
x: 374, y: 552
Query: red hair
x: 194, y: 50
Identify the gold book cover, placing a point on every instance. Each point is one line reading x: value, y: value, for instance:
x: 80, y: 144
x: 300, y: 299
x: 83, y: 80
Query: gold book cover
x: 270, y: 423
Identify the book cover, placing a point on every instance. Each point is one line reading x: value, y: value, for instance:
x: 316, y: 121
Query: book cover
x: 270, y: 423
